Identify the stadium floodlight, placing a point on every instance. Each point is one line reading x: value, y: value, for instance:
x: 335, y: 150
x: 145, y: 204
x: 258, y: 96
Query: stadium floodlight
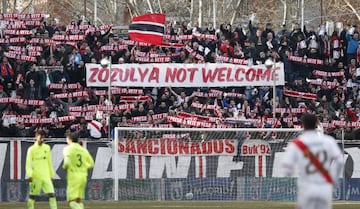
x: 270, y: 63
x: 105, y: 63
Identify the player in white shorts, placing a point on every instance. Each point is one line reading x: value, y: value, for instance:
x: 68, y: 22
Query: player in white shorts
x: 319, y: 161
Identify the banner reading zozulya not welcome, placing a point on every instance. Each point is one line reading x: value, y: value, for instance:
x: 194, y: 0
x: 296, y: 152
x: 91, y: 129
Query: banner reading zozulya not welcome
x: 183, y: 75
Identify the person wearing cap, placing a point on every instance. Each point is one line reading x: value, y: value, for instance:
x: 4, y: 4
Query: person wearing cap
x: 77, y: 162
x: 40, y: 171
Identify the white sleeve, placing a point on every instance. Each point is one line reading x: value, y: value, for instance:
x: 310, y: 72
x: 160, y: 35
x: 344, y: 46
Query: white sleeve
x: 337, y: 160
x: 290, y: 159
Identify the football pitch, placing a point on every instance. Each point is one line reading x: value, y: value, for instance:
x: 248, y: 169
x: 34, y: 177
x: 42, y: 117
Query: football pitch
x: 180, y: 205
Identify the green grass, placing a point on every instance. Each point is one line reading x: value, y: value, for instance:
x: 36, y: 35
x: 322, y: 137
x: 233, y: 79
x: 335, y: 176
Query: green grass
x: 179, y: 205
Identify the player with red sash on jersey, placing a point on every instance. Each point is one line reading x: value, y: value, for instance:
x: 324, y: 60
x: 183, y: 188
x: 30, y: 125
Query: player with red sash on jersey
x: 319, y: 161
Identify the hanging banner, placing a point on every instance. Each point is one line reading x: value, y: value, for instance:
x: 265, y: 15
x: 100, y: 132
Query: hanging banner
x: 183, y: 75
x: 168, y: 147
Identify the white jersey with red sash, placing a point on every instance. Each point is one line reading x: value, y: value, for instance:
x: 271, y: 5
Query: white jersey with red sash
x: 322, y: 147
x: 319, y: 161
x: 95, y: 129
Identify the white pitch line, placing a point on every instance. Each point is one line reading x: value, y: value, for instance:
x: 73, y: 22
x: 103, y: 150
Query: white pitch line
x: 187, y: 206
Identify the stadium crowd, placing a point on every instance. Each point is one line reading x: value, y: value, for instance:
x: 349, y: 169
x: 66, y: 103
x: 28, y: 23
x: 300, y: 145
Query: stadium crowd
x: 43, y: 86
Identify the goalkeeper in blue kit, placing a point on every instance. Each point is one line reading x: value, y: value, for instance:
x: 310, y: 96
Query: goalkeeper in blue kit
x: 77, y: 161
x: 39, y: 171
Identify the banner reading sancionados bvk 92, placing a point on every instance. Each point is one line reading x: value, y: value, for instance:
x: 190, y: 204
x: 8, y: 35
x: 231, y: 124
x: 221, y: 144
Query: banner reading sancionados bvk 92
x: 184, y: 75
x: 169, y: 147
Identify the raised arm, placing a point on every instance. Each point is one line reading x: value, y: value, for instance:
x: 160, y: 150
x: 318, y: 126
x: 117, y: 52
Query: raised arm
x: 173, y: 92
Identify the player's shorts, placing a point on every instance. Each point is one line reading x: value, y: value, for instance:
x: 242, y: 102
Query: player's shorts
x: 37, y: 184
x: 315, y: 196
x: 75, y: 187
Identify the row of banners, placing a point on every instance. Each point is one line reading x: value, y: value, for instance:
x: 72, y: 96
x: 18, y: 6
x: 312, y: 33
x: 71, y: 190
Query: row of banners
x: 172, y: 156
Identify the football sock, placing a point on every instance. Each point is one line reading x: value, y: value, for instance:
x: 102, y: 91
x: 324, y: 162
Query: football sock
x: 74, y: 205
x: 30, y: 203
x: 52, y: 203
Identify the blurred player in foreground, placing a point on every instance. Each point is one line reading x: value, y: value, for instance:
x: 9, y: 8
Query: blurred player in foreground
x: 39, y: 171
x: 319, y: 161
x: 77, y: 161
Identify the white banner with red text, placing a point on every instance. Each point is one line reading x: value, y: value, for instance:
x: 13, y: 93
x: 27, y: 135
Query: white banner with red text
x: 183, y: 75
x: 174, y: 147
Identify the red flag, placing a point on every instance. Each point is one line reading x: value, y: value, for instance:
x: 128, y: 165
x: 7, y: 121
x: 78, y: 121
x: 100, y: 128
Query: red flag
x: 148, y: 28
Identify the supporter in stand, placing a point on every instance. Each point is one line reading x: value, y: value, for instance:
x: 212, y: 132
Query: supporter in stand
x: 332, y: 82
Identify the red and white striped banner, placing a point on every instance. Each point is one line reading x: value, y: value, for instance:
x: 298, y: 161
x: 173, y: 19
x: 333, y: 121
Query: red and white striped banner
x: 18, y: 32
x: 298, y: 94
x: 100, y: 28
x: 231, y: 60
x: 328, y: 74
x: 114, y: 47
x: 203, y: 106
x: 58, y: 37
x: 258, y: 122
x: 207, y: 95
x: 194, y: 53
x: 341, y: 124
x: 30, y: 102
x: 47, y: 120
x: 44, y: 41
x: 189, y: 37
x: 163, y: 59
x: 196, y: 117
x: 215, y: 93
x: 305, y: 60
x: 189, y: 122
x: 94, y: 108
x: 155, y: 117
x: 33, y: 119
x: 135, y: 98
x: 133, y: 43
x: 160, y: 116
x: 31, y: 16
x: 321, y: 82
x: 12, y: 40
x: 71, y: 95
x: 138, y: 119
x: 117, y: 91
x: 291, y: 110
x: 70, y: 86
x: 48, y: 69
x: 15, y: 55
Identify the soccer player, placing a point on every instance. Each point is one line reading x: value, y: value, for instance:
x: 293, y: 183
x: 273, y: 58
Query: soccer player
x: 319, y: 161
x: 77, y: 161
x: 39, y: 171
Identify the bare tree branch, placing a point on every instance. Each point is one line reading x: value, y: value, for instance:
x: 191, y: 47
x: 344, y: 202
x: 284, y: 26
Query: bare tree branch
x: 150, y: 6
x: 27, y: 6
x: 353, y: 9
x: 235, y: 12
x: 284, y: 11
x: 160, y: 7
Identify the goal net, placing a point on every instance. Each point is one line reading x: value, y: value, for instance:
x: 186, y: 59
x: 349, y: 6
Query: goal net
x: 201, y: 164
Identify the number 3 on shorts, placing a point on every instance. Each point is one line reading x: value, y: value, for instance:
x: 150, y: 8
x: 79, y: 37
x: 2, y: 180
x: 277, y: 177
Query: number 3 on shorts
x: 79, y: 163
